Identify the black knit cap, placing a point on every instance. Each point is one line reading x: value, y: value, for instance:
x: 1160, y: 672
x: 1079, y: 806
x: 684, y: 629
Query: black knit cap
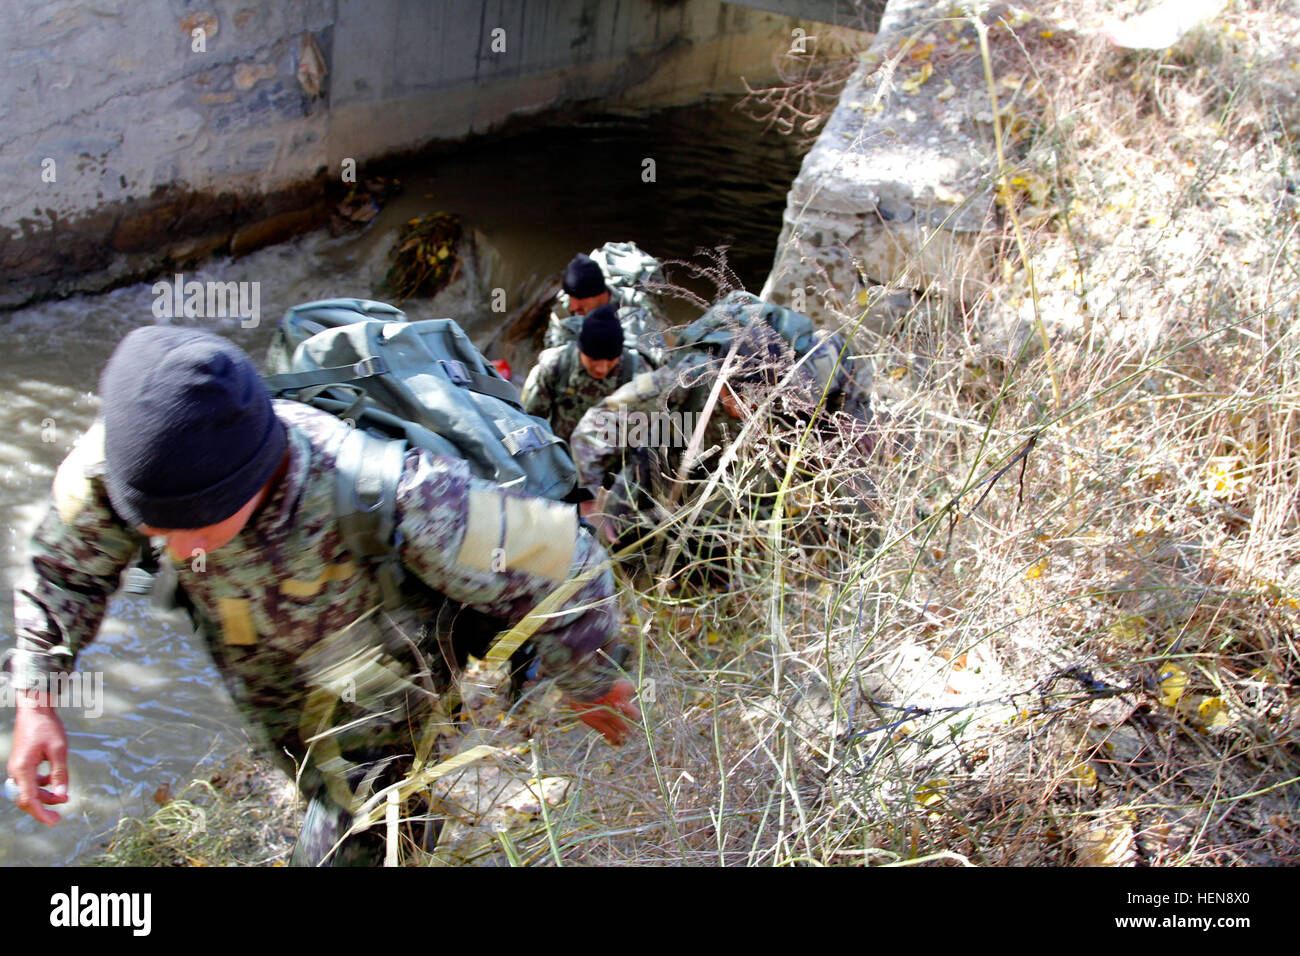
x: 189, y: 432
x: 583, y: 278
x: 602, y: 334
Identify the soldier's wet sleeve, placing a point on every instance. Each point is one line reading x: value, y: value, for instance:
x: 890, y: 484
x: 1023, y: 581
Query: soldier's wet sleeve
x: 594, y: 445
x: 502, y: 553
x: 78, y: 554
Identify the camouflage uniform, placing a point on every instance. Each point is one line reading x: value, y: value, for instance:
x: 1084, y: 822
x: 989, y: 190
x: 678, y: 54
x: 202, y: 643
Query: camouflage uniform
x: 846, y: 381
x: 605, y: 445
x: 611, y: 441
x: 827, y: 388
x: 560, y: 390
x: 296, y: 625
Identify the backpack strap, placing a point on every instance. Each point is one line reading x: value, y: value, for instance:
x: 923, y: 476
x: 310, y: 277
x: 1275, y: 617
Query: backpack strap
x: 526, y: 439
x: 334, y: 375
x: 458, y: 372
x: 461, y: 374
x: 369, y: 469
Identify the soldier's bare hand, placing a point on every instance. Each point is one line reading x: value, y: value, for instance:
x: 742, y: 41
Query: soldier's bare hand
x: 39, y: 737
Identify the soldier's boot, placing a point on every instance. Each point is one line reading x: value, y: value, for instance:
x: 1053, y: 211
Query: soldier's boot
x: 323, y: 827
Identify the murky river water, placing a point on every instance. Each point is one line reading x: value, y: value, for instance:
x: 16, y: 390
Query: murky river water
x: 538, y: 197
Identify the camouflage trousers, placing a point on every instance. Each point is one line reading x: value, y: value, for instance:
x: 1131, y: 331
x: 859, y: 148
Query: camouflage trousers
x: 347, y: 720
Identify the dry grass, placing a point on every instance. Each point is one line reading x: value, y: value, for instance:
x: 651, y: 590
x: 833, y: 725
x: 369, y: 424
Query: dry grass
x: 245, y: 814
x: 1096, y: 665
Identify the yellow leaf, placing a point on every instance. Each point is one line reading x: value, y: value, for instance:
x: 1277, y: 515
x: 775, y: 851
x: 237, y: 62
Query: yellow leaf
x: 862, y: 297
x: 1103, y: 845
x: 898, y: 374
x: 1085, y: 775
x: 1128, y: 630
x: 1212, y: 713
x: 930, y: 793
x: 1031, y: 185
x: 1173, y: 681
x: 913, y: 82
x: 1225, y: 476
x: 1036, y: 569
x: 444, y: 252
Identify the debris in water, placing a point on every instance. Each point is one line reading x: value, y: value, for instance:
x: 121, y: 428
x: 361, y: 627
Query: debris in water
x: 424, y: 258
x: 361, y: 203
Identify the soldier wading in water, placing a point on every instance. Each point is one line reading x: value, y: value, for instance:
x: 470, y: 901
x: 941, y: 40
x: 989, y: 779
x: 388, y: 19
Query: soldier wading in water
x: 191, y: 448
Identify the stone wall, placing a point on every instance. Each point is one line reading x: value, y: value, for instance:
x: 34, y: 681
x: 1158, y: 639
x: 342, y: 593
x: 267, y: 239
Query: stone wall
x: 897, y: 192
x: 138, y: 135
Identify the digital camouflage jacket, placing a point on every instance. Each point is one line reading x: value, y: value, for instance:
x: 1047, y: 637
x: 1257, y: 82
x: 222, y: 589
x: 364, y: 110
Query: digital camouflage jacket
x: 560, y: 390
x: 657, y: 409
x: 290, y: 615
